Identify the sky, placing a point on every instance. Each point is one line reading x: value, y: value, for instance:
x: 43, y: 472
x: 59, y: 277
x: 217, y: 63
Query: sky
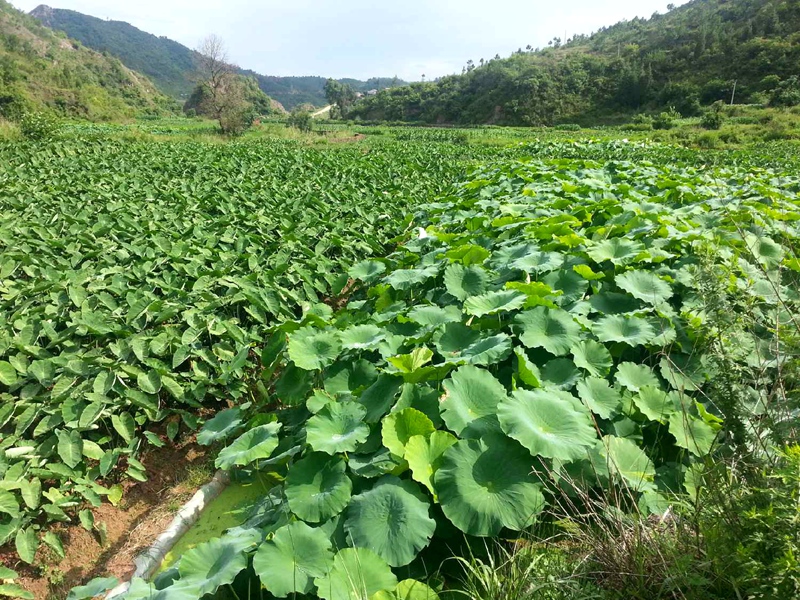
x: 364, y: 38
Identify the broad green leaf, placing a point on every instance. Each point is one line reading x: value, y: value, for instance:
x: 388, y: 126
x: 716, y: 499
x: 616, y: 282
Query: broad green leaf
x: 94, y: 588
x: 486, y: 484
x: 224, y: 424
x: 600, y: 397
x: 628, y: 462
x: 312, y: 349
x: 551, y: 329
x: 654, y: 403
x: 463, y: 282
x: 549, y: 423
x: 424, y: 455
x: 494, y: 302
x: 9, y: 504
x: 398, y: 427
x: 362, y: 337
x: 337, y: 427
x: 26, y: 544
x: 617, y: 250
x: 357, y: 574
x: 8, y: 374
x: 469, y: 406
x: 692, y: 433
x: 593, y: 357
x: 251, y: 446
x: 317, y: 487
x: 150, y: 382
x: 70, y: 447
x: 645, y: 286
x: 634, y: 377
x: 633, y: 331
x: 212, y: 564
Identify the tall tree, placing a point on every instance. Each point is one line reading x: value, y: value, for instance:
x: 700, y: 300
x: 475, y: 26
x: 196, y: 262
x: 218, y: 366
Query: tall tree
x: 341, y: 95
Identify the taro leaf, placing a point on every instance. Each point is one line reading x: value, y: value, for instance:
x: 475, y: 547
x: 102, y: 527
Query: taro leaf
x: 633, y: 331
x: 212, y: 564
x: 362, y: 337
x: 551, y: 329
x: 484, y: 485
x: 54, y: 542
x: 6, y: 573
x: 618, y: 250
x: 8, y: 374
x: 463, y: 282
x: 592, y: 356
x: 224, y: 424
x: 692, y: 433
x: 434, y: 316
x: 13, y: 590
x: 357, y: 574
x: 292, y: 559
x: 367, y: 270
x: 317, y: 487
x: 398, y: 427
x: 391, y: 519
x: 124, y: 425
x: 312, y: 349
x: 549, y: 423
x: 494, y: 302
x: 252, y: 445
x: 654, y: 403
x: 96, y: 587
x: 600, y: 397
x: 70, y: 447
x: 26, y: 543
x: 470, y: 405
x: 634, y: 377
x: 629, y: 462
x: 9, y: 504
x: 459, y: 343
x: 645, y: 286
x: 424, y: 455
x: 337, y: 427
x: 149, y: 382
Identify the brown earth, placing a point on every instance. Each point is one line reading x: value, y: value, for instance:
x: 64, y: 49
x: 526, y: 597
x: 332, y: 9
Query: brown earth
x: 175, y: 472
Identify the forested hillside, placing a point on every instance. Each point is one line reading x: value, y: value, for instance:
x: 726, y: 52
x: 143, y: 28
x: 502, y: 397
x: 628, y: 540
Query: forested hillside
x: 691, y: 56
x: 39, y: 69
x: 172, y: 66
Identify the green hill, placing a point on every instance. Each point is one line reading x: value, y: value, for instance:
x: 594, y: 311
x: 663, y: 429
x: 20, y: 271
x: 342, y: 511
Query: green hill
x: 694, y: 55
x: 172, y: 66
x: 40, y: 69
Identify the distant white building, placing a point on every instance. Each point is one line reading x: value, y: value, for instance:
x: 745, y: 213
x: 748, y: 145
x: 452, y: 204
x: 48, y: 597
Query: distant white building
x: 372, y: 93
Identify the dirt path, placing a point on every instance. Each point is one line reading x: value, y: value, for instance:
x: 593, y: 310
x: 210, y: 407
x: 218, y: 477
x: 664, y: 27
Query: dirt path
x: 175, y: 471
x: 323, y: 111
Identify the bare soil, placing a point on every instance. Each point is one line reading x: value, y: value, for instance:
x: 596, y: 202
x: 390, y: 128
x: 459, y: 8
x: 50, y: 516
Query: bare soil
x: 144, y: 512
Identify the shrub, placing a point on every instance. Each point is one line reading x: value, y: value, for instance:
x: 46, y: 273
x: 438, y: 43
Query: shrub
x: 708, y: 140
x: 712, y: 119
x: 568, y: 127
x: 301, y: 119
x: 190, y: 113
x: 666, y: 120
x: 787, y: 93
x: 38, y: 126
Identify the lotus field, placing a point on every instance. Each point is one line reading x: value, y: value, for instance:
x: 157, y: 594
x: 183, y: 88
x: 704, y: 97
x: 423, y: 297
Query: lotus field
x: 420, y: 357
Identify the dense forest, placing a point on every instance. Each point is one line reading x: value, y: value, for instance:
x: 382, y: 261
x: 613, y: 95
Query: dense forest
x: 172, y: 66
x: 699, y: 53
x: 41, y: 69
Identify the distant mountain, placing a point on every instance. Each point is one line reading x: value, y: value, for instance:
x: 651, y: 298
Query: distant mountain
x: 172, y: 66
x: 40, y: 69
x: 694, y: 55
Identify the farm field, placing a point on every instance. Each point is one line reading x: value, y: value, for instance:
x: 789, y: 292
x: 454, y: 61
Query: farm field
x: 429, y: 338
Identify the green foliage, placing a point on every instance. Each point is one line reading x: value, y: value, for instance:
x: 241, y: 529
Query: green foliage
x: 712, y: 119
x: 786, y: 93
x: 38, y: 126
x: 301, y: 120
x: 666, y: 119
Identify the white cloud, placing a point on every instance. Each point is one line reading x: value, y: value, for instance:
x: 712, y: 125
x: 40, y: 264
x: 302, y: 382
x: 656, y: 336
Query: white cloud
x: 364, y: 38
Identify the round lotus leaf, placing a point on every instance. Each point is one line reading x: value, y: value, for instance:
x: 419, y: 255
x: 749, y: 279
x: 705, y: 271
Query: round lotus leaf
x: 224, y: 424
x: 212, y: 564
x: 692, y: 433
x: 634, y: 377
x: 408, y: 589
x: 593, y: 357
x: 560, y: 373
x: 292, y: 559
x: 463, y: 282
x: 460, y: 344
x: 249, y: 447
x: 362, y: 337
x: 539, y: 262
x: 357, y: 574
x: 633, y: 331
x: 392, y: 520
x: 549, y: 423
x: 424, y: 455
x: 645, y: 286
x: 654, y: 403
x: 398, y: 427
x: 618, y: 250
x: 470, y: 405
x: 337, y: 427
x: 492, y: 303
x: 567, y: 285
x: 484, y: 485
x: 317, y: 487
x: 552, y: 329
x: 629, y: 462
x: 600, y: 397
x: 313, y: 349
x: 434, y: 316
x: 367, y: 270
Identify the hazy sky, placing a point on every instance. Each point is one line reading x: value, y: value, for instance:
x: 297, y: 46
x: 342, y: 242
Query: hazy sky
x: 364, y: 38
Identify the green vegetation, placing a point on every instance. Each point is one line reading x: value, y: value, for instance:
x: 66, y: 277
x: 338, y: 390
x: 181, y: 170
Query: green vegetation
x: 42, y: 71
x: 701, y: 52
